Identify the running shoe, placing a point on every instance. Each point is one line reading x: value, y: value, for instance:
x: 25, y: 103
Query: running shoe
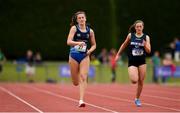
x: 137, y: 102
x: 81, y: 103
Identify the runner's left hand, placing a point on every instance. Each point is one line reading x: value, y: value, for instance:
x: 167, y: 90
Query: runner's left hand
x: 88, y: 52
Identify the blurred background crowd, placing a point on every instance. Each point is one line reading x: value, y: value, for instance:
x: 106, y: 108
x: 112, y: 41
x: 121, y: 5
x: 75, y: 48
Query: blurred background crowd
x: 34, y: 33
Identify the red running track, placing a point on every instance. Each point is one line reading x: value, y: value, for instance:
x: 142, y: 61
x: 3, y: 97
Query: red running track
x: 42, y: 98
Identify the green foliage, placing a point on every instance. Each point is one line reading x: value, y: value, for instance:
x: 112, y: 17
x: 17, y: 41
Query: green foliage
x: 43, y: 25
x: 161, y: 19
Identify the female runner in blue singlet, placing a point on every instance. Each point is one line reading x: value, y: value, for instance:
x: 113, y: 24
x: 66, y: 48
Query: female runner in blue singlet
x: 79, y: 37
x: 139, y: 45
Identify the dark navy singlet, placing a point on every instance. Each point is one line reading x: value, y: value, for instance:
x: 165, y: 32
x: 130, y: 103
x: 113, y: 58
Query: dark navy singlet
x: 78, y: 53
x: 80, y: 36
x: 136, y: 51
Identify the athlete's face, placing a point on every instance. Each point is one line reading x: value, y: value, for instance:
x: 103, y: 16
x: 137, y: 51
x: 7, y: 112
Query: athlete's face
x: 139, y: 28
x: 81, y: 19
x: 29, y: 53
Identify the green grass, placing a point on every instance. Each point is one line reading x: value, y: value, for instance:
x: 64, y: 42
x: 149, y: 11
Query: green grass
x: 50, y: 70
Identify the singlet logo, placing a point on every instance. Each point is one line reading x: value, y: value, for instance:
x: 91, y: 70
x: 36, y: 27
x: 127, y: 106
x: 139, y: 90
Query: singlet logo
x: 138, y: 39
x: 87, y: 36
x: 78, y: 35
x: 137, y: 44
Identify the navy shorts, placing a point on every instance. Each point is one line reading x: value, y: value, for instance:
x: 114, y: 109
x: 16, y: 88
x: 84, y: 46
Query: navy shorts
x: 78, y: 56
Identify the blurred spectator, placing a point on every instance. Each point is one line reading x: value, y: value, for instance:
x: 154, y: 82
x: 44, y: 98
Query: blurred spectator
x: 167, y: 61
x: 30, y: 66
x: 172, y: 49
x: 38, y: 58
x: 113, y: 65
x: 94, y: 61
x: 156, y: 61
x: 2, y: 60
x: 177, y: 50
x: 103, y: 56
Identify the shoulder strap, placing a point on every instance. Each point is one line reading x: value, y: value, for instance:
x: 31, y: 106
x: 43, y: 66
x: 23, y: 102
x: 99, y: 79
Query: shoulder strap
x: 88, y: 29
x: 144, y: 36
x: 132, y: 36
x: 77, y: 28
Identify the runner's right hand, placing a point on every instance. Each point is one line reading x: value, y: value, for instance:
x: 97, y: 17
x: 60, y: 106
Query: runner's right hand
x: 81, y: 43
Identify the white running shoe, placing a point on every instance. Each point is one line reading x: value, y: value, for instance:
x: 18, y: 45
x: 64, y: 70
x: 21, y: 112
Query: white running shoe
x: 81, y: 103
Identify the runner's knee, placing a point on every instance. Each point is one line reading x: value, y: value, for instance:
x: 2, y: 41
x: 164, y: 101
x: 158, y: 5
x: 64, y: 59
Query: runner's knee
x: 83, y: 77
x: 133, y: 81
x: 75, y: 83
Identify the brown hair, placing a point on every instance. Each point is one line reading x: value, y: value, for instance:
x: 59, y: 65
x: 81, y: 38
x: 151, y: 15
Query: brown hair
x: 132, y: 27
x: 74, y: 17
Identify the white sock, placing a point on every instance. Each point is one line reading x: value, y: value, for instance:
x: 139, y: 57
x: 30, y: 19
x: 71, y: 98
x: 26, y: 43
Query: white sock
x: 81, y: 101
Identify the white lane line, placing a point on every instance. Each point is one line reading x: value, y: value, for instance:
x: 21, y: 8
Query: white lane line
x: 126, y: 100
x: 130, y: 101
x: 156, y: 91
x: 153, y: 96
x: 15, y: 96
x: 152, y: 90
x: 166, y: 92
x: 71, y: 99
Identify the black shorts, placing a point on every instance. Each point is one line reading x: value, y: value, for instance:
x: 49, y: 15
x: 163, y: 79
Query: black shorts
x: 136, y: 63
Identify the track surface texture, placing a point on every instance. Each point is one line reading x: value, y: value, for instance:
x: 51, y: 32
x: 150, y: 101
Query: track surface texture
x: 41, y: 97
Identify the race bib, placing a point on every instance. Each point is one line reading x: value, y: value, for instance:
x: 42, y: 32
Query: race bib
x: 81, y: 48
x: 137, y: 52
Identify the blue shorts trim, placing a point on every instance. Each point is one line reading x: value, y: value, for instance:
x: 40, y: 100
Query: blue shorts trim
x: 78, y: 56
